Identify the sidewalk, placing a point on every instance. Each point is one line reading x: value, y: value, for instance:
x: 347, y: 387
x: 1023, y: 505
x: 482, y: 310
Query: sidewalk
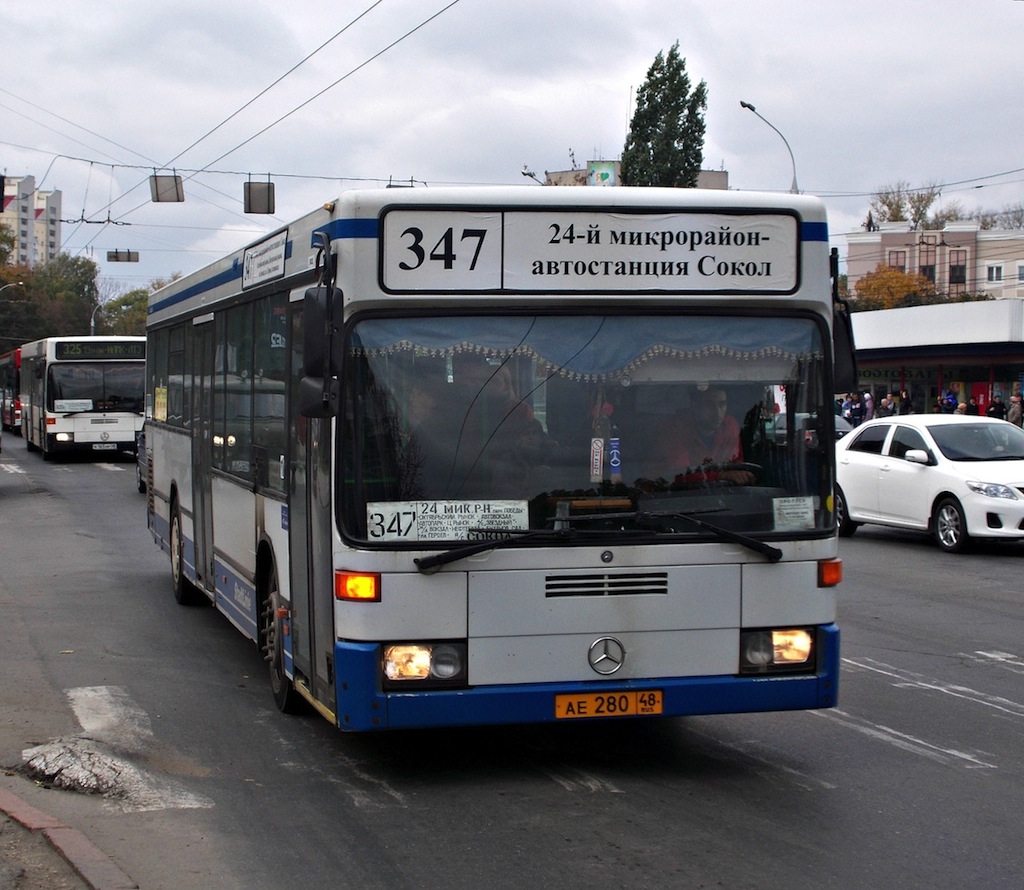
x: 37, y: 852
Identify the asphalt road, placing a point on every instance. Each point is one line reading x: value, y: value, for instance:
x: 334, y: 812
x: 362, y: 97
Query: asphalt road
x: 915, y: 780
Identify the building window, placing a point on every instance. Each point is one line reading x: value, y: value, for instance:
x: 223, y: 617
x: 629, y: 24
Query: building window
x: 995, y: 273
x: 957, y: 271
x: 898, y: 260
x: 1020, y: 273
x: 927, y: 260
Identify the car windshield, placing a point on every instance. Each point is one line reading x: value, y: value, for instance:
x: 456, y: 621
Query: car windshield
x: 979, y: 441
x: 457, y: 427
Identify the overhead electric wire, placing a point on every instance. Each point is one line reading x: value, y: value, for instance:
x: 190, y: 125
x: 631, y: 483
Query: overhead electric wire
x: 329, y: 87
x: 268, y: 88
x: 196, y: 142
x: 312, y: 98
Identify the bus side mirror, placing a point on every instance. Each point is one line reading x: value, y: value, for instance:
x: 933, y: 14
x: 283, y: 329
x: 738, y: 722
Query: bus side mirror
x: 318, y: 389
x: 843, y: 351
x: 318, y: 329
x: 844, y: 354
x: 318, y: 397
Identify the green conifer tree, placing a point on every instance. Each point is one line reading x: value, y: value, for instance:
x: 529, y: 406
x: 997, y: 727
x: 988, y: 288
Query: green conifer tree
x: 665, y: 145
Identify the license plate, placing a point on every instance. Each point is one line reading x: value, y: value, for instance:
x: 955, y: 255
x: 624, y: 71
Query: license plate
x: 104, y: 446
x: 632, y: 703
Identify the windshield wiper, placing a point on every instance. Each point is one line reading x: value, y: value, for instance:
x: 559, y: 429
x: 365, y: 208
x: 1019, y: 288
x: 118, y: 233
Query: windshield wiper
x: 773, y: 554
x: 430, y: 564
x: 564, y: 533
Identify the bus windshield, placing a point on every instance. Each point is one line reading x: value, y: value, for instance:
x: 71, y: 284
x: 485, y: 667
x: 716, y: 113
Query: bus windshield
x: 456, y: 428
x: 75, y: 387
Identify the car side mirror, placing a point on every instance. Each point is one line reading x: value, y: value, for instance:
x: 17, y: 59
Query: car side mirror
x: 918, y: 456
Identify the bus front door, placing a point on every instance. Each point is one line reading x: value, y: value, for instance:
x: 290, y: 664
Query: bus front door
x: 309, y: 535
x: 202, y: 452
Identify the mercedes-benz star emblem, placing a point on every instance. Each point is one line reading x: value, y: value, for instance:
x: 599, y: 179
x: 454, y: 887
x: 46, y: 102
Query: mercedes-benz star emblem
x: 606, y: 655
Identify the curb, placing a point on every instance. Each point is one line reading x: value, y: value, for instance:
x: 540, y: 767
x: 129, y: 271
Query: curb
x: 93, y: 866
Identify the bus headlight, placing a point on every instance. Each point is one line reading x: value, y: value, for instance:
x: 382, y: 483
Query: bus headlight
x: 424, y: 663
x: 65, y: 437
x: 776, y: 650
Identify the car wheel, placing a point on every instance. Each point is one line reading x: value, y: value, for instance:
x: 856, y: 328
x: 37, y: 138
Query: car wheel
x: 846, y: 525
x: 950, y: 526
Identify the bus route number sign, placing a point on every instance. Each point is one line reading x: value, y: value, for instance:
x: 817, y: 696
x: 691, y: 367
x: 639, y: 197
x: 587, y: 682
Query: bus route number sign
x: 71, y: 350
x: 445, y: 520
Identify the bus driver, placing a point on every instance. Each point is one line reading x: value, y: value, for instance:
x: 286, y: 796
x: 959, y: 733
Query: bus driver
x: 702, y: 443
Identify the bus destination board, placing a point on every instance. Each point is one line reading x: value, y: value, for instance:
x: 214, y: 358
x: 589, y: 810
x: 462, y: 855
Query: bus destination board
x: 584, y: 251
x: 82, y: 350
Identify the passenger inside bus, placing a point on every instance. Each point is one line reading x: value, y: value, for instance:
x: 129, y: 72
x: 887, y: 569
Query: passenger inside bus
x: 470, y: 433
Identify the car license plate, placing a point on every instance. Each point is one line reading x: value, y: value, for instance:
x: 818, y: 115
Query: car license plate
x: 631, y: 703
x: 104, y: 446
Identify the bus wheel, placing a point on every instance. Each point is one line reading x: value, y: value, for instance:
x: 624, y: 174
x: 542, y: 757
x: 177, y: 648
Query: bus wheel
x: 286, y: 698
x: 184, y: 592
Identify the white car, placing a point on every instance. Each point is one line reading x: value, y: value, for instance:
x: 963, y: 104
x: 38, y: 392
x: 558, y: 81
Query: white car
x: 954, y: 476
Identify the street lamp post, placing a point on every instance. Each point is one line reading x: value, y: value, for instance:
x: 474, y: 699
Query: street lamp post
x: 12, y: 284
x: 92, y: 321
x: 793, y: 188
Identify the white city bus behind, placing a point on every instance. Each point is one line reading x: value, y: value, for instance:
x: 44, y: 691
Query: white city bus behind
x: 424, y: 448
x: 82, y: 394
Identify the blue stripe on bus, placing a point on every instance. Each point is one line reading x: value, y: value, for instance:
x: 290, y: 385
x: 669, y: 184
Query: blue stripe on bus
x: 201, y: 287
x: 236, y: 598
x: 211, y: 283
x: 813, y: 231
x: 363, y: 706
x: 348, y: 228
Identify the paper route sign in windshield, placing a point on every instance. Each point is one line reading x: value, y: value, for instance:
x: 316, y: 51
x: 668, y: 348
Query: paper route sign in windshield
x: 444, y: 520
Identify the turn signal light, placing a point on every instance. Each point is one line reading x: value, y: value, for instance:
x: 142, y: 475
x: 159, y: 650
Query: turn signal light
x: 356, y: 586
x: 830, y: 572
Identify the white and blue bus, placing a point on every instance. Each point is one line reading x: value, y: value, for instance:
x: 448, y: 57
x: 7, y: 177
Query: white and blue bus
x: 82, y: 394
x: 440, y: 453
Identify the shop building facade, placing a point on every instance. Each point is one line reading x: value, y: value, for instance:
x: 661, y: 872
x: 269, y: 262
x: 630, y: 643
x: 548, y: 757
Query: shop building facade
x: 971, y: 349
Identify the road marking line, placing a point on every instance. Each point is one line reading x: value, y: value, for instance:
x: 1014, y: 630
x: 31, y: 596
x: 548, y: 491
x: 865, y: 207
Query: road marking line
x: 752, y: 749
x: 919, y: 681
x: 14, y: 469
x: 572, y: 779
x: 1008, y: 660
x: 905, y: 741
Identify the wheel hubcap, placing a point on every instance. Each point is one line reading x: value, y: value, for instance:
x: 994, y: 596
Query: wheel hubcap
x: 949, y: 526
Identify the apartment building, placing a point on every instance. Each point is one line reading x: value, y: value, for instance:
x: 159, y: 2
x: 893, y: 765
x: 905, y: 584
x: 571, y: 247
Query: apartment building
x: 33, y: 215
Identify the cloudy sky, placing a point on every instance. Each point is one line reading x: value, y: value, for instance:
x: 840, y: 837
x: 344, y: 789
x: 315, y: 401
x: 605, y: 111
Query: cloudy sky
x: 97, y: 94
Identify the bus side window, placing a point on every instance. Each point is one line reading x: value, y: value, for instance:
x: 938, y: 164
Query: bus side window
x: 233, y: 392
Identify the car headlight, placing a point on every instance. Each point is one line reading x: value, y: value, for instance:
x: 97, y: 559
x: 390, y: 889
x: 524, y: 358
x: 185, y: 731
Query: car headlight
x: 993, y: 490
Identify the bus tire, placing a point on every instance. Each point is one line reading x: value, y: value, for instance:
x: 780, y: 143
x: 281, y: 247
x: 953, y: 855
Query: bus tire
x: 271, y: 643
x: 184, y: 591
